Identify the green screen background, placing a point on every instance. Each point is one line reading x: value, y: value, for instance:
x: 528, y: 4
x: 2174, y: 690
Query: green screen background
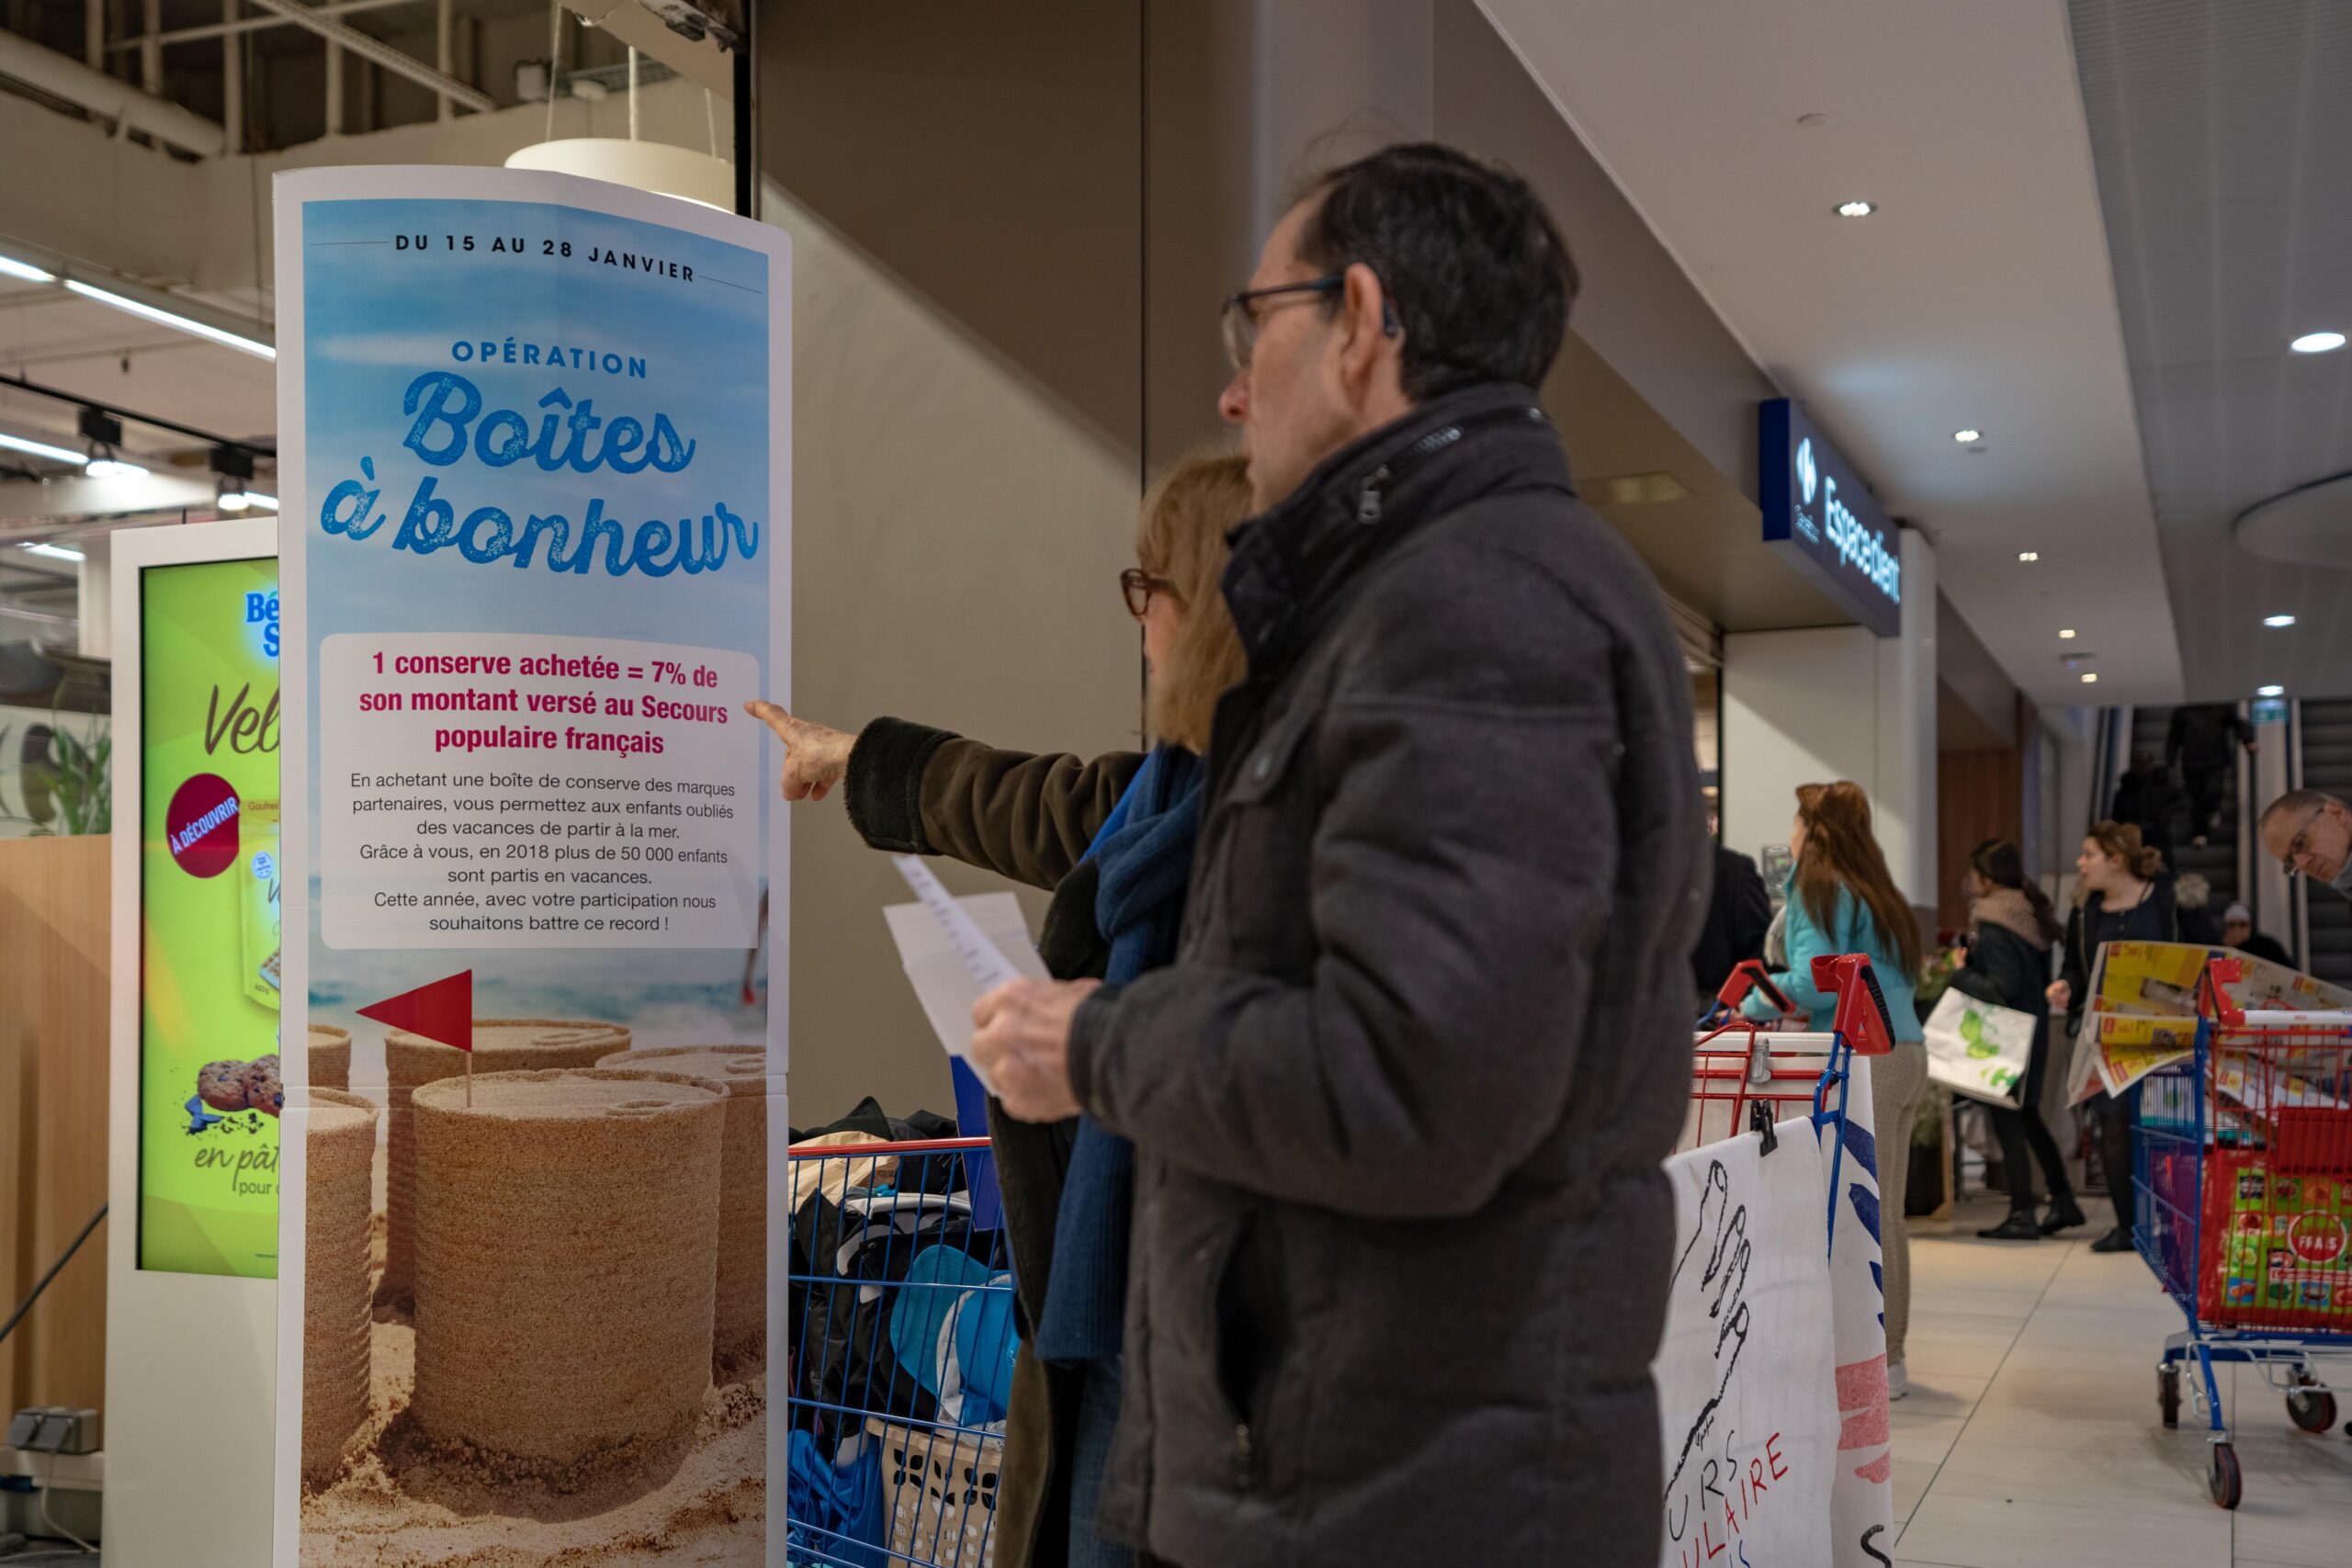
x: 197, y: 1217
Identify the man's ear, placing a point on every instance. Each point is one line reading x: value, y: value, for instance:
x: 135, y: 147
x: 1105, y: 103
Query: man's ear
x: 1370, y: 328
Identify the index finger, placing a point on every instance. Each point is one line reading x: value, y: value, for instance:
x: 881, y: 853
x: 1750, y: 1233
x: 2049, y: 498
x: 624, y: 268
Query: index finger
x: 767, y: 712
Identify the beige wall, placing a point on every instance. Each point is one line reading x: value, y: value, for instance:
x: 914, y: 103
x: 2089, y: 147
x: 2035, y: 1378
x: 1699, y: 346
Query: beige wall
x: 961, y: 186
x: 957, y: 535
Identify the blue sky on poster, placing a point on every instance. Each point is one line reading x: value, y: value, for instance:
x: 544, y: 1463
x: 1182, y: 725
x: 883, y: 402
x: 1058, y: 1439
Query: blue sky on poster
x: 378, y: 316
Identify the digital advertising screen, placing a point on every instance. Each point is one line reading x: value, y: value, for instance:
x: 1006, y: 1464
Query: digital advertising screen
x: 209, y: 1092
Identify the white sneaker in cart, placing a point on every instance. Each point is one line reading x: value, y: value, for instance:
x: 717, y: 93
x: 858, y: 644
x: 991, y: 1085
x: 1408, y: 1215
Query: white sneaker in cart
x: 1898, y: 1382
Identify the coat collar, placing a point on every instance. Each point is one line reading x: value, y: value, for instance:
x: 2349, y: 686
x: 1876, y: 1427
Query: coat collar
x: 1290, y: 562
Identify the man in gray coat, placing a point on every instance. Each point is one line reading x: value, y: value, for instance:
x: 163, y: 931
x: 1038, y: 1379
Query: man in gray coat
x: 1401, y: 1239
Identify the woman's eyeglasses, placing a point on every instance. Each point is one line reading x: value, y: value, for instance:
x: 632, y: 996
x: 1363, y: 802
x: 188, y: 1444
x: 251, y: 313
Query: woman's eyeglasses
x: 1242, y: 318
x: 1137, y: 586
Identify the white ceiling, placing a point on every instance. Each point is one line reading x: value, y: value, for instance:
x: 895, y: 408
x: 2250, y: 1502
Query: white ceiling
x: 1978, y: 295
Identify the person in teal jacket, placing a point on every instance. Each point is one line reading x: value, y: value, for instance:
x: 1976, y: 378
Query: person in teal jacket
x: 1842, y: 900
x: 1850, y: 930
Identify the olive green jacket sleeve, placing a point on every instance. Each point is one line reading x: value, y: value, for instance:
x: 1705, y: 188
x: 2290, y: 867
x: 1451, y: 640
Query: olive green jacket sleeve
x: 915, y: 789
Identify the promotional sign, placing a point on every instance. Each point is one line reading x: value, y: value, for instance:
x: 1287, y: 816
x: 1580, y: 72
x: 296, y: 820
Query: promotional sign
x: 1821, y: 515
x: 210, y: 1085
x: 1744, y: 1369
x: 534, y: 475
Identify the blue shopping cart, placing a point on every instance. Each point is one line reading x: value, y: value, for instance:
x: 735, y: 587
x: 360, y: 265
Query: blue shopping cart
x: 2241, y: 1189
x: 900, y: 1367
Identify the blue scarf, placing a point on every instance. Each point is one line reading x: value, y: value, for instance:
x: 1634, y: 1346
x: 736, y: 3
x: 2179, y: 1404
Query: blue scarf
x: 1144, y: 853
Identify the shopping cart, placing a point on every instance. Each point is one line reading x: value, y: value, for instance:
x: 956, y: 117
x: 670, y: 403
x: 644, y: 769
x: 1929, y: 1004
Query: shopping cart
x: 1745, y: 1075
x: 2242, y: 1176
x: 900, y: 1366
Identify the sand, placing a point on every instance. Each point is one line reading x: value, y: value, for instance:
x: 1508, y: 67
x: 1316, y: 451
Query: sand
x: 739, y: 1322
x: 340, y: 1159
x: 567, y: 1255
x: 404, y: 1500
x: 401, y: 1504
x: 329, y: 1057
x: 501, y: 1045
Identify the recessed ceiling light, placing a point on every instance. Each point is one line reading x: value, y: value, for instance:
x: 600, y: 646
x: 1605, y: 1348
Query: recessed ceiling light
x: 2317, y: 343
x: 2068, y: 635
x: 1864, y: 209
x: 2090, y: 677
x: 55, y: 552
x: 2029, y: 555
x: 2270, y: 691
x: 1966, y: 436
x: 2278, y: 620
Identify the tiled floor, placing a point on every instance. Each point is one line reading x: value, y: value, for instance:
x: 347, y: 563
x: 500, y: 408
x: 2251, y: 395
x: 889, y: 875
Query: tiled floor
x: 2031, y: 1437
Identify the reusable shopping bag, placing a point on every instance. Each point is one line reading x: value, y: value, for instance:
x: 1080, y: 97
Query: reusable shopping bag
x: 1978, y: 1049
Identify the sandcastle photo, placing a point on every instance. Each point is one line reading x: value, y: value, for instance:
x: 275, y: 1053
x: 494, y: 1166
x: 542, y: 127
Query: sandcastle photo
x: 535, y: 1301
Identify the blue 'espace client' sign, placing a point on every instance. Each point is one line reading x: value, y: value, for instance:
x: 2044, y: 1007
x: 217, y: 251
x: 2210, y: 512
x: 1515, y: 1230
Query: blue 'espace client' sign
x: 1818, y: 511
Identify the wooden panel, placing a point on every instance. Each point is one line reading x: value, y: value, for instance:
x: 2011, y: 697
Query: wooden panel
x: 53, y: 1023
x: 1979, y: 795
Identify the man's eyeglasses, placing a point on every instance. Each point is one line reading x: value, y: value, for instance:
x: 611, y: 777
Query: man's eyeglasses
x: 1137, y: 586
x: 2300, y: 844
x: 1242, y: 316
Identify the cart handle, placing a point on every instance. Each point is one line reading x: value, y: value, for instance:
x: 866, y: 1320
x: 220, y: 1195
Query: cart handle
x: 1749, y: 974
x: 1861, y: 1015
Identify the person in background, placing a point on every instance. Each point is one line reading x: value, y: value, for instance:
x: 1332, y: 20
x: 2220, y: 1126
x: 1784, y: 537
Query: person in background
x: 1113, y: 839
x: 2010, y: 929
x: 2150, y: 798
x: 1403, y: 1237
x: 2194, y: 896
x: 2125, y: 896
x: 1843, y: 900
x: 2197, y: 747
x: 1738, y: 914
x: 2238, y: 932
x: 2309, y: 831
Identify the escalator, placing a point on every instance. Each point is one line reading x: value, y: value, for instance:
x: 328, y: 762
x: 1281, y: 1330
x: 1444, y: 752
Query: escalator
x: 2217, y: 858
x: 2326, y: 740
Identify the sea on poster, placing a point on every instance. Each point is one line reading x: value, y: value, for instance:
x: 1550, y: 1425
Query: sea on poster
x: 534, y: 483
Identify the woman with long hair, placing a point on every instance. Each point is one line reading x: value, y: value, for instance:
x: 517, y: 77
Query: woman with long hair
x: 2011, y: 927
x: 1843, y: 900
x: 1113, y: 839
x: 2124, y: 896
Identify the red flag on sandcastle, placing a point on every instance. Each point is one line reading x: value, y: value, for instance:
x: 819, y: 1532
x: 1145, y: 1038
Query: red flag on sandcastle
x: 442, y: 1012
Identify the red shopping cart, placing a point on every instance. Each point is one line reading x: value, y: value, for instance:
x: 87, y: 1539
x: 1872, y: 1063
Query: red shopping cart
x: 902, y: 1357
x: 2241, y: 1182
x: 1746, y: 1076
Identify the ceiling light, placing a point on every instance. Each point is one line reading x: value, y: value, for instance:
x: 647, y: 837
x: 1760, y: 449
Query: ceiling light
x: 11, y: 267
x: 40, y: 450
x: 113, y: 468
x: 246, y: 498
x: 2278, y: 620
x: 231, y: 501
x: 2270, y: 691
x: 55, y: 552
x: 185, y: 324
x: 2317, y: 343
x: 2067, y: 636
x: 2090, y: 677
x: 1856, y: 208
x: 2029, y: 555
x: 1966, y: 436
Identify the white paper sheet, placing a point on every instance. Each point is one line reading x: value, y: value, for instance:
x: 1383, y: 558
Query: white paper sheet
x: 955, y: 948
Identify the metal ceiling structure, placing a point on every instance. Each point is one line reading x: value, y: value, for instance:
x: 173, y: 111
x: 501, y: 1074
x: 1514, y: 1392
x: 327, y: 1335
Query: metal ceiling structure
x: 2221, y: 135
